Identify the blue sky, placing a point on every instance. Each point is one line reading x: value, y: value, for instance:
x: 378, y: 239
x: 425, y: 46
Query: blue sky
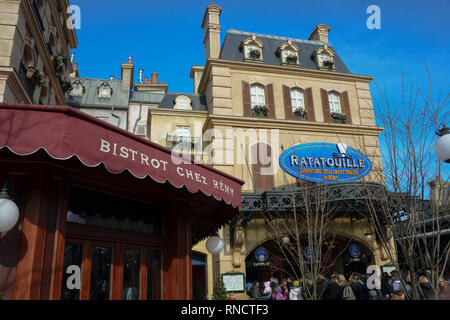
x: 166, y: 37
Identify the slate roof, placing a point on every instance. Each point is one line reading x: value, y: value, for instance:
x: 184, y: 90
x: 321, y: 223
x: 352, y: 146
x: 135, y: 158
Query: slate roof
x: 119, y: 99
x: 231, y: 49
x: 198, y: 101
x: 146, y: 97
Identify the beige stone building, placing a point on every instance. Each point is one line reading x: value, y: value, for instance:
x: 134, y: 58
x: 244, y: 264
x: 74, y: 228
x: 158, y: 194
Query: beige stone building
x: 35, y: 44
x: 254, y: 90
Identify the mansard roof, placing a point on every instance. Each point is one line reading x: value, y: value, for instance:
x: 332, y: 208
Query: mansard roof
x: 233, y: 51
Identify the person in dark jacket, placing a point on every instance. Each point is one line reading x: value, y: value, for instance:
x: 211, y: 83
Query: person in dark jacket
x: 322, y: 284
x: 333, y: 290
x: 359, y: 287
x: 255, y: 290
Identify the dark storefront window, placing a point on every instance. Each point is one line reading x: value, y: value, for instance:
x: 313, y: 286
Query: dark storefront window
x: 71, y: 280
x: 154, y: 275
x: 131, y: 274
x: 104, y: 210
x: 101, y: 273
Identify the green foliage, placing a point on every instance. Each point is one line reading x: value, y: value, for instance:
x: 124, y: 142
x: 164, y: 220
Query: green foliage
x: 219, y: 292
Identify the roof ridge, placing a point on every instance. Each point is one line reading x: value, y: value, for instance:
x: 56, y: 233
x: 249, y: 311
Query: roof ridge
x: 275, y: 37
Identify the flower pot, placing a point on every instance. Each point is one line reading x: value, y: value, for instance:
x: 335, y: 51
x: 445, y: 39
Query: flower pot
x: 259, y: 115
x: 29, y: 74
x: 300, y: 118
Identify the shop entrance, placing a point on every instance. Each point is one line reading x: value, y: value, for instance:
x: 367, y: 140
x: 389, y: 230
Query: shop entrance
x: 343, y: 255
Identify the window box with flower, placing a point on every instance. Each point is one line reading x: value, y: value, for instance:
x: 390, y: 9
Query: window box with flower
x: 260, y: 111
x: 338, y: 117
x: 254, y: 53
x: 300, y: 114
x: 59, y: 62
x: 291, y: 59
x: 66, y: 86
x: 34, y: 76
x: 329, y: 64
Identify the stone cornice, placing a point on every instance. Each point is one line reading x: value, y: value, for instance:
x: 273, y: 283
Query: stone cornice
x: 13, y: 81
x: 292, y: 125
x: 283, y: 70
x: 177, y: 112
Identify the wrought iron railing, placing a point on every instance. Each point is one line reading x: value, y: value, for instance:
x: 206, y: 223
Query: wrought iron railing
x: 184, y: 143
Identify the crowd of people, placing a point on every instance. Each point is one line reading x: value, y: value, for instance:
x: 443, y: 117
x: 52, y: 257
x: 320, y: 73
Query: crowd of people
x: 338, y: 287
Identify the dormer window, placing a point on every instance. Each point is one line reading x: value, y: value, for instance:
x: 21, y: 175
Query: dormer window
x: 183, y: 102
x: 289, y: 53
x: 253, y: 49
x: 105, y: 91
x: 77, y: 89
x: 324, y: 58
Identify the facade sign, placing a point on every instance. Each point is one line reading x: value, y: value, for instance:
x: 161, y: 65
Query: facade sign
x: 325, y: 162
x: 354, y: 251
x: 261, y: 254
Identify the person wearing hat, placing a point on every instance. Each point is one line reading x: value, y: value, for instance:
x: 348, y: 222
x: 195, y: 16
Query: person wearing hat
x: 295, y: 293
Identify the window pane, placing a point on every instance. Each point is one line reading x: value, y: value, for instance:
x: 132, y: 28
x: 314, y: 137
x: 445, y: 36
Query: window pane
x: 71, y: 279
x: 96, y: 208
x: 154, y: 276
x: 131, y: 274
x: 101, y: 273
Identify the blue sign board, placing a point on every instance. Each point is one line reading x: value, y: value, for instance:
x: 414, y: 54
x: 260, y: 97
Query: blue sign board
x: 354, y: 251
x: 309, y: 253
x: 261, y: 254
x: 325, y: 162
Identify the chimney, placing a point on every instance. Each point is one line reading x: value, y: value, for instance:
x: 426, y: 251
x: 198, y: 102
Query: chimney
x: 146, y: 80
x: 141, y: 72
x: 72, y: 56
x: 111, y: 77
x: 127, y: 74
x: 211, y: 27
x: 320, y: 33
x: 154, y: 77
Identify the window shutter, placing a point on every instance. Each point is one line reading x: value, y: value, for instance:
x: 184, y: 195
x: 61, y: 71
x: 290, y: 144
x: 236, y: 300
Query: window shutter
x: 325, y: 106
x: 309, y: 104
x: 346, y: 107
x: 270, y: 101
x: 287, y: 103
x: 247, y: 104
x: 261, y: 182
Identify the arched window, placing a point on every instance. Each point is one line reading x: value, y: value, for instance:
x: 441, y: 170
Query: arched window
x: 335, y: 102
x: 257, y: 95
x: 252, y: 49
x: 324, y: 57
x: 297, y: 99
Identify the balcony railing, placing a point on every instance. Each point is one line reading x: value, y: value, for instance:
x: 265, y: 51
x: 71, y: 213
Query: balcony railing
x: 37, y: 15
x: 184, y: 143
x: 24, y: 80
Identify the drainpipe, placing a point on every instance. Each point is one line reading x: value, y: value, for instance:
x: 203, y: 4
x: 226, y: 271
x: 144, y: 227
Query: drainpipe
x: 141, y: 72
x: 115, y: 116
x: 139, y: 118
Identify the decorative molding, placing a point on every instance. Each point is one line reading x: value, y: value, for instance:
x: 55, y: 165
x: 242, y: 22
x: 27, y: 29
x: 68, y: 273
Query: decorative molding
x: 293, y: 125
x: 105, y: 91
x: 183, y: 102
x: 282, y: 70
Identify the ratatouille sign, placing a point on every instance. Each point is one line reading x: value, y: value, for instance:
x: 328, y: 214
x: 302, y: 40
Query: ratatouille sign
x: 325, y: 162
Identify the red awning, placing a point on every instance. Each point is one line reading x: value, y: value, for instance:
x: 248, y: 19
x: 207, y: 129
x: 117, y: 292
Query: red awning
x: 64, y: 132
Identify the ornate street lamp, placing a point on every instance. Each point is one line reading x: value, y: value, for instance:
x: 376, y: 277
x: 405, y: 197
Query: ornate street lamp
x: 442, y: 146
x: 9, y: 212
